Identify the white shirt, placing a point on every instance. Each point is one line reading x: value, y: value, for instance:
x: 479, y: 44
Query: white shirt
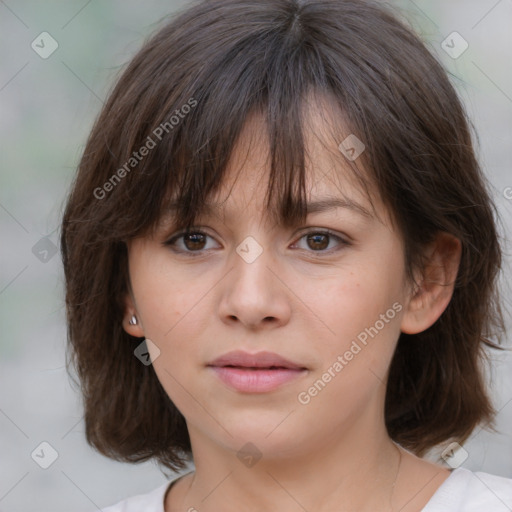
x: 462, y: 491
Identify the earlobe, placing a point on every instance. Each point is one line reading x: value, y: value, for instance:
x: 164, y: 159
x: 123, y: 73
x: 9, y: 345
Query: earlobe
x: 431, y: 297
x: 131, y: 321
x: 132, y: 325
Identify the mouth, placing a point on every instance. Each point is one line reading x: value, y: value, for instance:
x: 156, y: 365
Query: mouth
x: 256, y: 368
x: 257, y: 361
x: 255, y: 373
x: 256, y: 380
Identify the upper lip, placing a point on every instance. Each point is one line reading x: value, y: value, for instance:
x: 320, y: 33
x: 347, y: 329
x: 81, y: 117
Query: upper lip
x: 258, y: 360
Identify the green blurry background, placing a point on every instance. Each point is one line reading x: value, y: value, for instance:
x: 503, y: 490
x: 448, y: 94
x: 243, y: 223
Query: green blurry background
x: 47, y: 109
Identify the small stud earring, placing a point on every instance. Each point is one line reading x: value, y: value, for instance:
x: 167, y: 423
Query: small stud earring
x: 133, y: 320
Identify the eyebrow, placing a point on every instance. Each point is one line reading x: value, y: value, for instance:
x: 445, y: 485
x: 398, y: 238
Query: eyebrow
x: 318, y: 206
x: 322, y: 205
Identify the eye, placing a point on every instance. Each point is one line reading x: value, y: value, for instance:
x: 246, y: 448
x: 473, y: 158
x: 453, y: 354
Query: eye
x: 319, y: 241
x: 194, y: 243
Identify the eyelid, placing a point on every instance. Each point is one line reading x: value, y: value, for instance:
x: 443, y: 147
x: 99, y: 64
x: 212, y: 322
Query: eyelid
x: 343, y: 240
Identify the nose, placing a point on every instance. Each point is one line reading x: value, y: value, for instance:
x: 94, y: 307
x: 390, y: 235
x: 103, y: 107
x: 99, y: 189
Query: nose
x: 254, y: 293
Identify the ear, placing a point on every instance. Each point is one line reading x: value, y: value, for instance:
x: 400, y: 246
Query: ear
x: 130, y: 311
x: 437, y: 280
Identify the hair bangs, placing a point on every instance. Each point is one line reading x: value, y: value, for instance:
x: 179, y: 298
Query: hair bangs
x: 189, y: 166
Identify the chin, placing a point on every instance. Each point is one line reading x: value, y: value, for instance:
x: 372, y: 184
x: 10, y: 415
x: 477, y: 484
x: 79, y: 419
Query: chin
x: 270, y: 435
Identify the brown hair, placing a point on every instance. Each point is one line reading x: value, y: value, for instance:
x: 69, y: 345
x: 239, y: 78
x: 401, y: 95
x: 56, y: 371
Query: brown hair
x: 225, y: 59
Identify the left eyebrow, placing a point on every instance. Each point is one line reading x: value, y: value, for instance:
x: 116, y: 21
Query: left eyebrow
x: 325, y: 204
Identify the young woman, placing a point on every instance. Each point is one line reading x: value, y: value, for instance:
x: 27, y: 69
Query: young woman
x: 281, y: 263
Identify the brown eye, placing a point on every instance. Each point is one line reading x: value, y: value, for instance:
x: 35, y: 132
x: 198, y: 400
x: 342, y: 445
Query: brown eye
x: 190, y: 242
x: 319, y: 241
x: 194, y: 241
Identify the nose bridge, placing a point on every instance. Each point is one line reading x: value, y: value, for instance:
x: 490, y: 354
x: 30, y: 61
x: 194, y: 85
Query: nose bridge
x: 253, y: 256
x: 252, y: 293
x: 251, y: 220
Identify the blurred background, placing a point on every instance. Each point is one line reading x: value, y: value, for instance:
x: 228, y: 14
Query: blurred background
x: 58, y: 61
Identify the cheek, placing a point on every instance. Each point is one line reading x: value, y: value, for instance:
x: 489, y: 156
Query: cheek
x: 167, y: 300
x: 361, y: 308
x: 173, y: 321
x: 362, y: 313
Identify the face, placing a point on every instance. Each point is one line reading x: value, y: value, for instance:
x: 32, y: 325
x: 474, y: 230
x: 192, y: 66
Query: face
x: 329, y: 295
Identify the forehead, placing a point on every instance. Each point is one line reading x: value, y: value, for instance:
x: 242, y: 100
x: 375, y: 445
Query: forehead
x: 330, y: 179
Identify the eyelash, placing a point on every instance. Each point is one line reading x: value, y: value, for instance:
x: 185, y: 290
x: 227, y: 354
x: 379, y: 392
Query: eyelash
x: 171, y: 242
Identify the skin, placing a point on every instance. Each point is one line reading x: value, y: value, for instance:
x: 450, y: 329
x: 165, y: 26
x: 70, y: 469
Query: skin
x: 306, y: 304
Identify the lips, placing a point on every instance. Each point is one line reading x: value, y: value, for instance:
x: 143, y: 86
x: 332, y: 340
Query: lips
x: 259, y: 360
x: 262, y: 372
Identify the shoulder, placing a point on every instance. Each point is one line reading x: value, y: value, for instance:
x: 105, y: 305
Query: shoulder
x: 150, y: 502
x: 466, y: 491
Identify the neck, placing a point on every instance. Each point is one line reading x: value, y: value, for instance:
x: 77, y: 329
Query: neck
x: 332, y: 475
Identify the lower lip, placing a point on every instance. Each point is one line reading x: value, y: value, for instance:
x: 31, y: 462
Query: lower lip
x: 255, y: 381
